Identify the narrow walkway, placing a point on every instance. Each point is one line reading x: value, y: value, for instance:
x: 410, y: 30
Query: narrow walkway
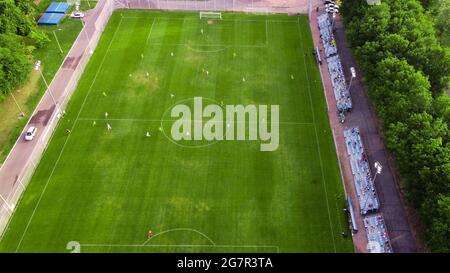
x: 364, y: 117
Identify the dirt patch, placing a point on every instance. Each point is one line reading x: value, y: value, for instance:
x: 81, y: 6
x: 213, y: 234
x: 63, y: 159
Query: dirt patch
x: 42, y: 116
x: 194, y: 56
x: 147, y: 79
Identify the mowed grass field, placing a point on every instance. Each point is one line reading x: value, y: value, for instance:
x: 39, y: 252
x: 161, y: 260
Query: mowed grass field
x: 105, y: 190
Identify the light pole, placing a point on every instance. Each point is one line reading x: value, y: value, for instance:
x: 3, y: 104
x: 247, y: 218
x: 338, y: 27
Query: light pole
x: 18, y: 106
x: 37, y: 67
x: 57, y: 41
x: 378, y: 168
x: 333, y: 16
x: 353, y: 75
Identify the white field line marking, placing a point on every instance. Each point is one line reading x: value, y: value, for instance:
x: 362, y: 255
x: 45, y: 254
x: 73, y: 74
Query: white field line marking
x: 206, y: 45
x: 65, y: 143
x: 182, y: 245
x: 226, y: 20
x: 336, y: 197
x: 151, y: 28
x: 208, y: 51
x: 317, y: 138
x: 180, y: 229
x: 170, y: 120
x: 212, y: 45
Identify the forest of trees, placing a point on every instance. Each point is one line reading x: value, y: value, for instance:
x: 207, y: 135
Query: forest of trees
x: 18, y: 37
x: 407, y: 71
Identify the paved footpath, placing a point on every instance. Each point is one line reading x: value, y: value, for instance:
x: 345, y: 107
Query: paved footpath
x: 363, y: 116
x: 359, y: 239
x: 15, y: 169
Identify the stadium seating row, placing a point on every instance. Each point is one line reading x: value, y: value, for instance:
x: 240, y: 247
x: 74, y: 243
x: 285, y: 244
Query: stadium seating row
x: 375, y: 227
x: 365, y: 190
x: 377, y: 234
x: 341, y: 92
x: 376, y: 231
x: 326, y: 34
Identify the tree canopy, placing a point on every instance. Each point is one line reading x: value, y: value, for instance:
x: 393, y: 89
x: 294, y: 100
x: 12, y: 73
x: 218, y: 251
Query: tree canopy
x: 18, y: 36
x: 408, y: 73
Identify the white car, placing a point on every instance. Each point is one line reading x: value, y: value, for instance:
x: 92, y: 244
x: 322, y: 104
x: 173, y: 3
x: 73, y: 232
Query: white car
x: 30, y: 133
x: 77, y: 14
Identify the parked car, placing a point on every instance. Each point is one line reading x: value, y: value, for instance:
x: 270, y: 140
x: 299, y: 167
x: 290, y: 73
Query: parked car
x: 30, y: 133
x: 77, y: 15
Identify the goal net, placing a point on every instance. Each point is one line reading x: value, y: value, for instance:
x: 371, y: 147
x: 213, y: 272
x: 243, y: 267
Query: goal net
x: 210, y: 15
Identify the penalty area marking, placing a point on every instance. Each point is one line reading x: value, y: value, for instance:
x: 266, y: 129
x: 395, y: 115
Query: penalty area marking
x: 209, y: 45
x: 207, y: 51
x: 183, y: 245
x: 211, y: 245
x: 265, y: 45
x: 172, y: 120
x: 151, y: 29
x: 226, y: 20
x: 180, y: 229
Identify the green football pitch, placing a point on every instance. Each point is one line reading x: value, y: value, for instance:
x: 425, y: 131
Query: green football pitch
x: 107, y: 189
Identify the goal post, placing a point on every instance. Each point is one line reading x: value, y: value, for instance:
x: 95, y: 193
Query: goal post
x: 210, y: 15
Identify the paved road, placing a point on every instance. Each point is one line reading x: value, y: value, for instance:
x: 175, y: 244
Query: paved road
x: 16, y: 168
